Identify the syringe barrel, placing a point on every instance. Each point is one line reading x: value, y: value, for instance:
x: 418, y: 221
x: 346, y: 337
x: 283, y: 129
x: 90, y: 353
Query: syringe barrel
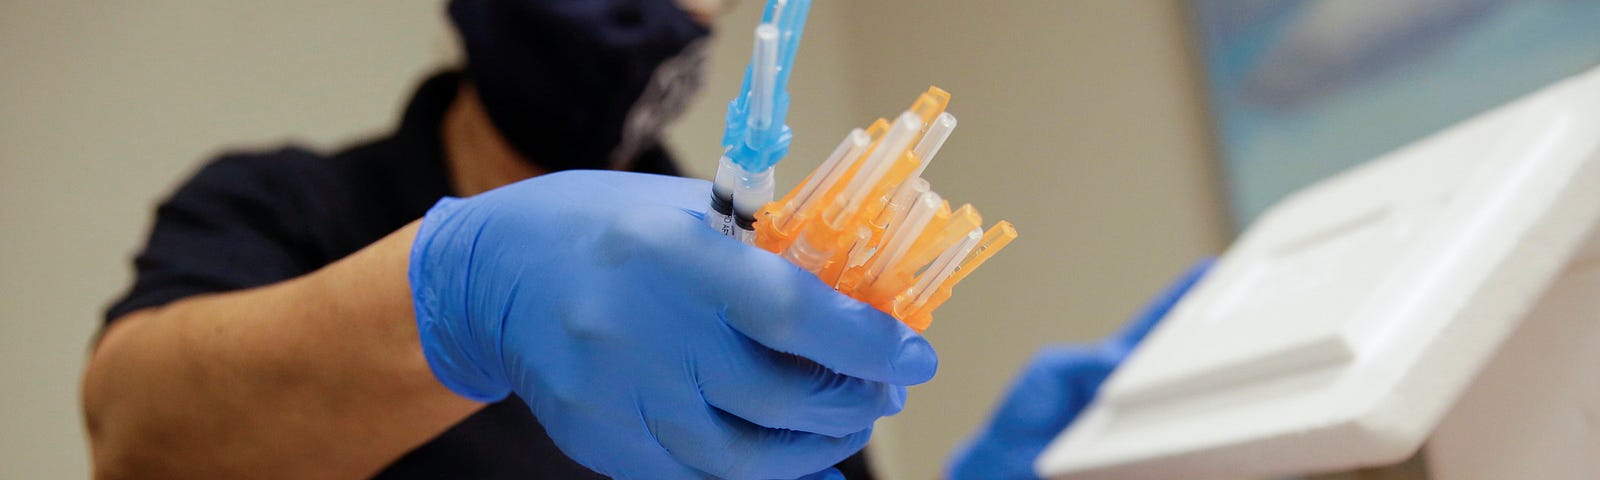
x: 721, y: 215
x: 752, y: 190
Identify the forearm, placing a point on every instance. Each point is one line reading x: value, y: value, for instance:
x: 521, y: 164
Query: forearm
x: 320, y: 376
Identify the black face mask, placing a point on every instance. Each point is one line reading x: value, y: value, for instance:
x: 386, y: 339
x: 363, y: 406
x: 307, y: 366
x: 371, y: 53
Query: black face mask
x: 581, y: 84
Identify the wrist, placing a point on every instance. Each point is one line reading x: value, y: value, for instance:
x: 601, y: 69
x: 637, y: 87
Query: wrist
x: 366, y: 298
x: 460, y: 356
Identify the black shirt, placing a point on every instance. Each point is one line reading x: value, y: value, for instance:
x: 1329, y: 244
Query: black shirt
x: 255, y: 218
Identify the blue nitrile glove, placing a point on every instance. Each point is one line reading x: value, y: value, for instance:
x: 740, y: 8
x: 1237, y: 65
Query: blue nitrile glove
x: 648, y: 345
x: 1057, y: 384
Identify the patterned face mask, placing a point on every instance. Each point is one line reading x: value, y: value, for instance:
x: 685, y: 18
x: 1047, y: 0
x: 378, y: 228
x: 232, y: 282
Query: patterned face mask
x: 674, y: 85
x: 581, y: 84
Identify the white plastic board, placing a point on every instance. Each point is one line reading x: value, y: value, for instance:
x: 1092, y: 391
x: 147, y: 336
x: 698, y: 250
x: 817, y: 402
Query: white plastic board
x: 1534, y: 411
x: 1339, y: 329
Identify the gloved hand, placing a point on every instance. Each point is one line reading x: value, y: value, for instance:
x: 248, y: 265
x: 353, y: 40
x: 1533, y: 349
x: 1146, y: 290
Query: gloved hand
x: 1056, y: 385
x: 648, y: 345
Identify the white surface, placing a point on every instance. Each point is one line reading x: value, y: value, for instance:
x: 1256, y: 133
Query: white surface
x: 1345, y: 323
x: 1534, y: 411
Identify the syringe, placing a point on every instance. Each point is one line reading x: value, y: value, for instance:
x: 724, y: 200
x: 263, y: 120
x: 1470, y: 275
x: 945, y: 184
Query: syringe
x: 868, y: 224
x: 755, y: 136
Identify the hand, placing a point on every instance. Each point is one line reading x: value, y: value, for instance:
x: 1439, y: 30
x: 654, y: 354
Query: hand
x: 1056, y: 385
x: 648, y: 345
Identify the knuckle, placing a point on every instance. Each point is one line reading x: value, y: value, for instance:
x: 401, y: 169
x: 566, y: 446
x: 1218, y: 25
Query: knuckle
x: 564, y: 397
x: 775, y: 318
x: 589, y: 324
x: 649, y: 228
x: 625, y: 229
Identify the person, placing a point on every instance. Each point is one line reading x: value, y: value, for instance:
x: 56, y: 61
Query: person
x: 511, y: 284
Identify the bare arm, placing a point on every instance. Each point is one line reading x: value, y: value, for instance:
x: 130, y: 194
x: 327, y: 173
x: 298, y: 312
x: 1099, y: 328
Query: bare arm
x: 320, y: 376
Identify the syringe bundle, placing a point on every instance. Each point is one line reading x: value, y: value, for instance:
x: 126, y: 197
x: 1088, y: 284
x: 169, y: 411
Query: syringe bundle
x: 866, y: 222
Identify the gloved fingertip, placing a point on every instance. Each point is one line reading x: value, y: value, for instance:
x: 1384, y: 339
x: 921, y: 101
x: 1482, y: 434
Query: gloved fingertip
x: 915, y: 362
x: 829, y: 474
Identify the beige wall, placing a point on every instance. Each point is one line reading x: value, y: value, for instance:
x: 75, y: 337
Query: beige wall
x: 1080, y: 123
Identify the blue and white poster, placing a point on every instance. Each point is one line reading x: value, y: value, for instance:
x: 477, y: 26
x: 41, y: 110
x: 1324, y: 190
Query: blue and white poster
x: 1303, y: 89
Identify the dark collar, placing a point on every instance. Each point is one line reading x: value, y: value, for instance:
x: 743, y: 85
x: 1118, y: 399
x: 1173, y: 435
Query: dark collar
x: 417, y: 146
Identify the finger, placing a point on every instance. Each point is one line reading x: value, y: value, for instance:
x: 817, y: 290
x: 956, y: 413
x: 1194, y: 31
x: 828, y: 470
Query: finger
x: 616, y: 449
x: 787, y: 309
x: 726, y: 446
x: 657, y: 464
x: 795, y: 393
x: 1153, y: 312
x: 829, y: 474
x: 796, y: 313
